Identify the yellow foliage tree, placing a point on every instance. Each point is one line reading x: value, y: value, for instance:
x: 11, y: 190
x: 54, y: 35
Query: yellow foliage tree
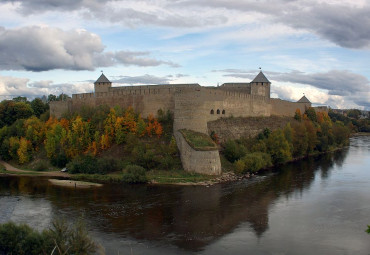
x: 22, y: 151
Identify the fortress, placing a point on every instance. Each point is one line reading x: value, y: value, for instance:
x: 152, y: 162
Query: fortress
x: 193, y: 107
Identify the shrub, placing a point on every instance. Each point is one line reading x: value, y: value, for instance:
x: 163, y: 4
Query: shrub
x: 256, y: 161
x: 234, y: 151
x: 86, y: 164
x: 106, y: 165
x: 239, y: 166
x: 252, y: 162
x: 41, y: 166
x: 21, y: 239
x: 134, y: 174
x: 59, y: 160
x: 167, y: 162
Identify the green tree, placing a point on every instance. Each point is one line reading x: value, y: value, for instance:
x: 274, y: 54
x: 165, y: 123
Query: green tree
x: 233, y: 150
x: 311, y: 114
x: 20, y: 99
x: 300, y: 139
x: 52, y: 98
x: 278, y: 147
x: 38, y: 107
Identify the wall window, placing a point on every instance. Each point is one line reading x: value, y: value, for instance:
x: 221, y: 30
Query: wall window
x: 223, y: 111
x: 218, y: 111
x: 212, y: 111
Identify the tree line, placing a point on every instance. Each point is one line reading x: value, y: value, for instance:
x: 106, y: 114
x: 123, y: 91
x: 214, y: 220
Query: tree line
x: 310, y: 132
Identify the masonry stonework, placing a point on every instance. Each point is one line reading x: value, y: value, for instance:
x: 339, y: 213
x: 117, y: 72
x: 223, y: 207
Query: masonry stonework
x: 193, y: 107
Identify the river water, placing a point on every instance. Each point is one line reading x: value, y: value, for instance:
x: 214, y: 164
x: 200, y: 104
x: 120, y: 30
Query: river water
x: 320, y: 205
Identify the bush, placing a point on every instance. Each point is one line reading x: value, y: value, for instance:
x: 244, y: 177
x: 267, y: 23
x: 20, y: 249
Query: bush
x: 21, y: 239
x: 134, y: 174
x: 86, y: 164
x: 107, y: 165
x: 167, y: 162
x: 252, y: 162
x: 234, y: 151
x: 239, y: 166
x: 256, y: 161
x: 41, y: 166
x: 59, y: 160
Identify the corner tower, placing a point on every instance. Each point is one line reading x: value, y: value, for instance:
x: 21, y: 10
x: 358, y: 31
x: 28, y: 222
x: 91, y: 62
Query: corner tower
x: 102, y: 84
x: 261, y: 86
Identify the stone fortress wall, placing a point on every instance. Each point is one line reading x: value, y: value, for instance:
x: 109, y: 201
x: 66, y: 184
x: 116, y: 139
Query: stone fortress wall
x: 193, y: 107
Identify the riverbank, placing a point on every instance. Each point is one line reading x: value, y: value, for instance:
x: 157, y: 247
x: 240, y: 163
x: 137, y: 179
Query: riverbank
x: 156, y: 177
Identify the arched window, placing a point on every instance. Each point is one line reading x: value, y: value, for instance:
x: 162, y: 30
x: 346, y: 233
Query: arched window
x: 212, y: 111
x: 218, y: 111
x: 223, y: 111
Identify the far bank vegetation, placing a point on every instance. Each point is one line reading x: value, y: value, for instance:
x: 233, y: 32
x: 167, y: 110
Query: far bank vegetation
x: 309, y: 133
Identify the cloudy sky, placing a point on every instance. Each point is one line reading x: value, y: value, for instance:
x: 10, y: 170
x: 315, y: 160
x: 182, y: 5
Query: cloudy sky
x: 320, y: 48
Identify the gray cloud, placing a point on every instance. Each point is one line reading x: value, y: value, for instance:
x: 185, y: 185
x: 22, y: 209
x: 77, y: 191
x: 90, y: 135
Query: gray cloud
x: 101, y: 10
x: 341, y: 24
x: 337, y: 82
x: 351, y: 86
x: 143, y: 79
x: 45, y: 48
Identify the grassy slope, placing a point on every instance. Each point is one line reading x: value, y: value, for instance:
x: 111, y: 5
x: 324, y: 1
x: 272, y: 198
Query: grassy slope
x: 198, y: 141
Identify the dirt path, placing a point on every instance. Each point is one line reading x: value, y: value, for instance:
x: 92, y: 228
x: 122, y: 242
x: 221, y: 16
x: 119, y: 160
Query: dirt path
x: 14, y: 169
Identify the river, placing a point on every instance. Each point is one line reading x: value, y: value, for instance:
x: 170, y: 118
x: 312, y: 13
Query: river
x: 319, y: 205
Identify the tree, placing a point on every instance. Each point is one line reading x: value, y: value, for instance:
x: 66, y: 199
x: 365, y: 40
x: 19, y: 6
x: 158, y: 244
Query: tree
x: 20, y: 99
x: 11, y: 111
x: 52, y: 98
x: 300, y: 139
x: 297, y: 114
x: 278, y: 147
x: 22, y: 152
x: 311, y: 114
x: 354, y: 113
x: 38, y: 107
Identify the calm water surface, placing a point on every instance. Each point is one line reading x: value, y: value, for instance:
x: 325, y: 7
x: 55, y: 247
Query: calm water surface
x: 316, y: 206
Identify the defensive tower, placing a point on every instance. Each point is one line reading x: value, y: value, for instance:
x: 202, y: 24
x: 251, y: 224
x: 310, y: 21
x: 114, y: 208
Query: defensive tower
x: 261, y: 86
x: 102, y: 84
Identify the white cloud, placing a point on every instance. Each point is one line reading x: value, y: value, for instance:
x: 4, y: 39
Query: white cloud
x: 44, y: 48
x: 12, y: 87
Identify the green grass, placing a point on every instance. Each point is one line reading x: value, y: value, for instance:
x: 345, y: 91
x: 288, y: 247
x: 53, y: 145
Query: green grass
x: 158, y: 176
x: 198, y: 141
x: 98, y: 178
x: 177, y: 176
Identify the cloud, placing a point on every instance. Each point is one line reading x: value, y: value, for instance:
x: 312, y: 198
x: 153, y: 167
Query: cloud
x: 143, y: 79
x: 130, y: 13
x: 44, y: 48
x: 343, y: 23
x: 333, y: 85
x: 11, y: 87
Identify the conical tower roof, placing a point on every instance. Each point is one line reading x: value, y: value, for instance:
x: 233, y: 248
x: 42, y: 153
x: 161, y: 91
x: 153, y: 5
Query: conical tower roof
x: 303, y: 100
x: 260, y: 78
x: 102, y: 79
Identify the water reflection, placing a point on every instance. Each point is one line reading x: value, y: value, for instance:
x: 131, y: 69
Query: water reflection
x: 187, y: 217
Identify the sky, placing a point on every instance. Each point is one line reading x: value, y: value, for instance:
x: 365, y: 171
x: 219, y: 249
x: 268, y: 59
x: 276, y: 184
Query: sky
x: 316, y: 48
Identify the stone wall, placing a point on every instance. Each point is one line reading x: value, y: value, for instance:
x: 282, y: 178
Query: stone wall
x: 57, y: 108
x: 236, y: 128
x: 285, y: 108
x: 204, y: 162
